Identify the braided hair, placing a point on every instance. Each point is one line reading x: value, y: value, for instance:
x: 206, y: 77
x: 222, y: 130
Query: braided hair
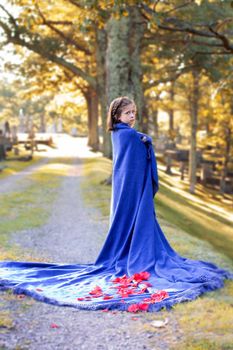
x: 115, y: 110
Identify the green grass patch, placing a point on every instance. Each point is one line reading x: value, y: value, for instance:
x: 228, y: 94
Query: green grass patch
x: 14, y: 166
x: 30, y: 207
x: 206, y: 322
x: 95, y: 194
x: 202, y: 324
x: 6, y: 320
x: 182, y: 213
x: 176, y: 215
x: 211, y: 320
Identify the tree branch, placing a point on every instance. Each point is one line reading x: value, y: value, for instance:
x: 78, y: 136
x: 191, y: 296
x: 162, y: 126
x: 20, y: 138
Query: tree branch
x: 173, y: 25
x: 173, y: 78
x: 179, y: 7
x: 224, y: 40
x: 38, y: 48
x: 67, y: 39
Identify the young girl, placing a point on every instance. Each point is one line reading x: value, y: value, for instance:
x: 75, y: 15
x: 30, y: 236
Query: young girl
x: 137, y: 269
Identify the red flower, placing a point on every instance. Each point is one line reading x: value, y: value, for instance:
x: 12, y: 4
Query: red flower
x: 80, y: 299
x: 54, y: 325
x: 133, y: 308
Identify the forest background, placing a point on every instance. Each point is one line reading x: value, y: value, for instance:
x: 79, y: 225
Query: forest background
x: 71, y: 58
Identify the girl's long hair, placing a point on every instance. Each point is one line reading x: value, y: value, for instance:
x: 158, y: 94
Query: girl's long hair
x: 115, y: 109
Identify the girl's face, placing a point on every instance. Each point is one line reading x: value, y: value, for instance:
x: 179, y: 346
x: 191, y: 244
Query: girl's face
x: 128, y: 114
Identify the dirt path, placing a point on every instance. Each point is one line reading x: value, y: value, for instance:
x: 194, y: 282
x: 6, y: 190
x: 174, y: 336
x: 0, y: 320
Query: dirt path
x: 14, y: 182
x: 73, y: 234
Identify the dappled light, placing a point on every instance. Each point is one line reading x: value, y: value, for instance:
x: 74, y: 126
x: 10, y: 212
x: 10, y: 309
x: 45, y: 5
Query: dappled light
x: 116, y: 174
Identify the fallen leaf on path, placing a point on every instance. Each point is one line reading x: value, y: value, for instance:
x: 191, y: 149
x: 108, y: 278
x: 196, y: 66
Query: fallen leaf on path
x: 54, y: 325
x: 20, y: 296
x: 159, y: 323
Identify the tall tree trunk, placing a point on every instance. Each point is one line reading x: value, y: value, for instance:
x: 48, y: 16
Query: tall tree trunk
x: 42, y: 122
x: 155, y: 123
x: 228, y: 141
x: 194, y: 123
x: 155, y: 117
x: 137, y: 30
x: 123, y: 62
x: 101, y: 47
x: 92, y: 110
x: 171, y: 112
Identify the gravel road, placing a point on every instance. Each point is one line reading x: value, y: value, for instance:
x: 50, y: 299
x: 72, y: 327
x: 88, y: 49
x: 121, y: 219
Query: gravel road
x: 13, y: 182
x: 73, y: 235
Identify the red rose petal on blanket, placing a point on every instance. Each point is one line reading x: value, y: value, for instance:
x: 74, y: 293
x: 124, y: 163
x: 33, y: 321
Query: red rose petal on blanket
x: 133, y: 308
x: 107, y: 297
x: 145, y: 275
x: 96, y: 290
x: 147, y: 300
x: 116, y: 280
x: 141, y: 276
x: 39, y: 290
x: 80, y: 299
x: 105, y: 310
x: 143, y: 307
x: 143, y: 290
x: 147, y: 284
x: 160, y: 295
x: 97, y: 295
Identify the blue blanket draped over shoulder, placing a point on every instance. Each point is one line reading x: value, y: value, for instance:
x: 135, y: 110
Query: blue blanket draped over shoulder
x: 135, y: 243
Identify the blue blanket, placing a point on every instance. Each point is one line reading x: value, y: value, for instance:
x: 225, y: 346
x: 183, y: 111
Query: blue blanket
x: 137, y: 269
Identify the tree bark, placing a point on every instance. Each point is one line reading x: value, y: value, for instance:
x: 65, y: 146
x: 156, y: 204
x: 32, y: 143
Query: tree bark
x: 123, y: 62
x: 194, y: 123
x: 92, y: 111
x: 171, y: 112
x: 228, y: 140
x: 101, y: 47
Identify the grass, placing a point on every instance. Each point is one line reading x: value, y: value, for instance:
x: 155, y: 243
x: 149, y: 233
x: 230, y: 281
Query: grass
x: 206, y: 322
x: 185, y: 215
x: 31, y: 207
x: 172, y: 207
x: 203, y: 324
x: 95, y: 194
x: 14, y: 166
x: 24, y: 210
